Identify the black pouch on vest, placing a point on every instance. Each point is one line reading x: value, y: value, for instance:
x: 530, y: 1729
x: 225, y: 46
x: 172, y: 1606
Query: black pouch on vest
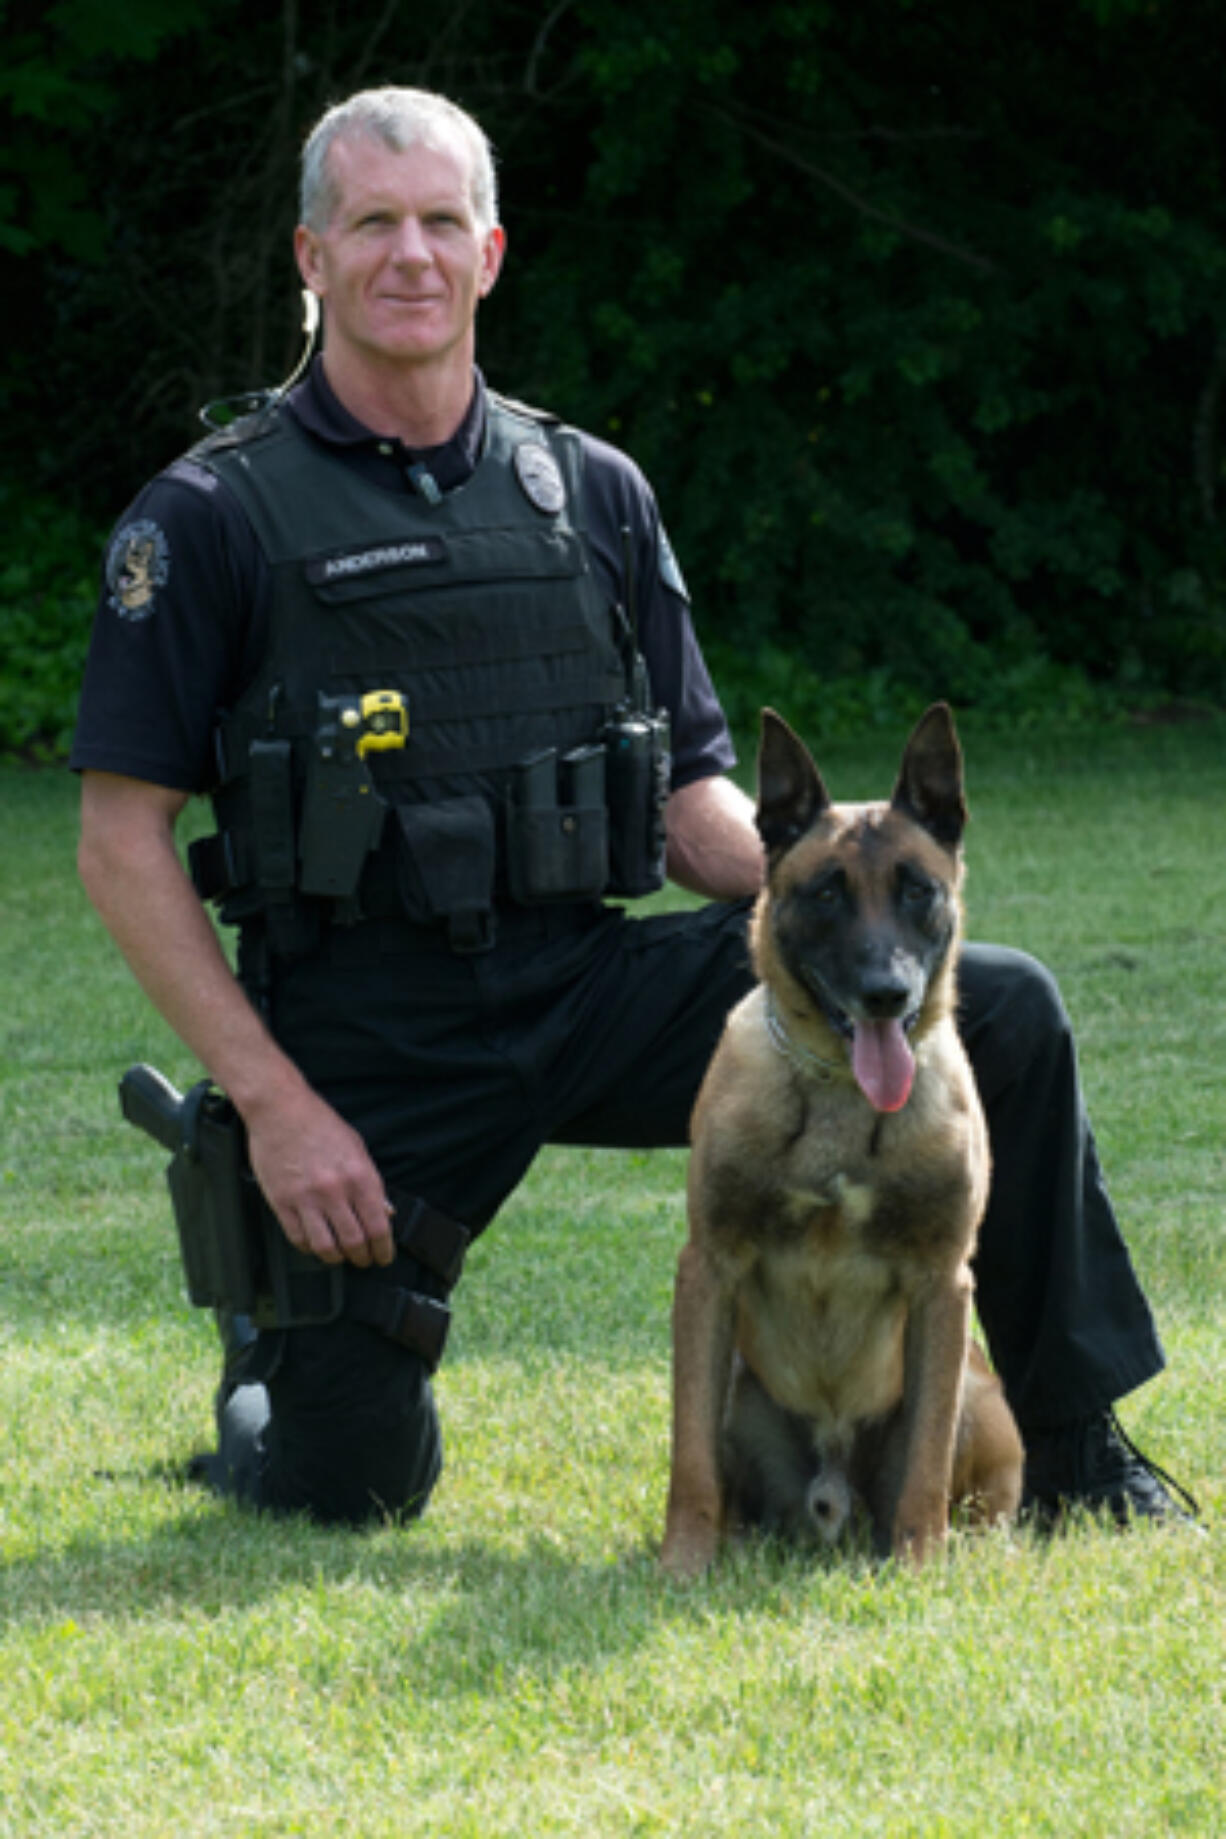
x: 445, y: 860
x: 272, y: 815
x: 558, y: 828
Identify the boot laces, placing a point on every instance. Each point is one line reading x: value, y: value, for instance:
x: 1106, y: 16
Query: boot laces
x: 1154, y: 1469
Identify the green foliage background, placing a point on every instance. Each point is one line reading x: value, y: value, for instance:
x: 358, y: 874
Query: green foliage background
x: 912, y: 314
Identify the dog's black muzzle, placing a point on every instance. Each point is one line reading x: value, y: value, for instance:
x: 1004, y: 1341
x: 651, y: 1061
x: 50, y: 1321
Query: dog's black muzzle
x: 880, y: 993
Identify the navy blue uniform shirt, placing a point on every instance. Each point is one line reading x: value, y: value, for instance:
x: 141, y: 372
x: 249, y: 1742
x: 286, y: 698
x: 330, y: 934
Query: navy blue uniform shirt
x: 182, y: 621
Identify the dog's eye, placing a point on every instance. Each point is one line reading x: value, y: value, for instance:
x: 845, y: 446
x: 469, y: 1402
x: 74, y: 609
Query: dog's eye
x: 915, y: 891
x: 826, y: 893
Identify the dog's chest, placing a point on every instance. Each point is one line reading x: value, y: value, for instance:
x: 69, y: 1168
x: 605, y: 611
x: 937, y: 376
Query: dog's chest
x: 845, y: 1180
x: 821, y: 1316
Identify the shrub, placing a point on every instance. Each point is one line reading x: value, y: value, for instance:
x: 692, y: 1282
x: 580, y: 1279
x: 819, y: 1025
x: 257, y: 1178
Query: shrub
x: 48, y: 587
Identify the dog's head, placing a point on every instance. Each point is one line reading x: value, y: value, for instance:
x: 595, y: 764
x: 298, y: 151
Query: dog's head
x: 857, y: 926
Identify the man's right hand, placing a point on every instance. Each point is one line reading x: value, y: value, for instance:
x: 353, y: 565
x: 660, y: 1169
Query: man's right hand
x: 317, y: 1176
x: 314, y: 1169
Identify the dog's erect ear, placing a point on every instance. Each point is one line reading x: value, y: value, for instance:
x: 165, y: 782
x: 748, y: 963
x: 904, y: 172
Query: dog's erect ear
x: 791, y: 795
x: 929, y: 788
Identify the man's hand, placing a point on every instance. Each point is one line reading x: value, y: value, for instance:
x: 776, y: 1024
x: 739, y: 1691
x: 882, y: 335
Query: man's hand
x: 314, y: 1169
x: 319, y: 1180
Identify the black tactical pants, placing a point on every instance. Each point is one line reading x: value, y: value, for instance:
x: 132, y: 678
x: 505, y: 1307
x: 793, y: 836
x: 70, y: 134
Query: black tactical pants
x: 588, y: 1027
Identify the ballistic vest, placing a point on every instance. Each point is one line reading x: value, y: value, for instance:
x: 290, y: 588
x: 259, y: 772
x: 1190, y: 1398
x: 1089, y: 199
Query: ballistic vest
x: 478, y: 614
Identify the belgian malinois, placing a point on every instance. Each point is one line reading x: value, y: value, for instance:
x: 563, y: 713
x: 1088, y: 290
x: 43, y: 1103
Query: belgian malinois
x: 822, y: 1360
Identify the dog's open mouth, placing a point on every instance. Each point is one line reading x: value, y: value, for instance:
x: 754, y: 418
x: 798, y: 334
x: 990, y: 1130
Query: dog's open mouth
x: 883, y: 1063
x: 881, y: 1056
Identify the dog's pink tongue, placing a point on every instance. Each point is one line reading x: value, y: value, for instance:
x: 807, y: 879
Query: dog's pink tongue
x: 883, y: 1064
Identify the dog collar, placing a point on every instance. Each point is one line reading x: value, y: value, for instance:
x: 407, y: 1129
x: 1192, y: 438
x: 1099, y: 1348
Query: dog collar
x: 801, y: 1057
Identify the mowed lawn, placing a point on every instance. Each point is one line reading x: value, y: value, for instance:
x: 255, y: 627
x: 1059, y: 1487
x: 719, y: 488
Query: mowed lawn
x: 515, y: 1665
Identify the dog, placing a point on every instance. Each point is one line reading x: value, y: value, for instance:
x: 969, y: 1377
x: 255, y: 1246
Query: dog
x: 839, y: 1166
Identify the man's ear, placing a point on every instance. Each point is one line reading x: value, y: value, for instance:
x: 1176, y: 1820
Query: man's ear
x: 492, y: 257
x: 306, y: 254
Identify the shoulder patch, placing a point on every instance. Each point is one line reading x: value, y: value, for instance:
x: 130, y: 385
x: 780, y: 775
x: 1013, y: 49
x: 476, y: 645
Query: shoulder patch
x: 137, y: 565
x: 670, y: 568
x: 541, y: 477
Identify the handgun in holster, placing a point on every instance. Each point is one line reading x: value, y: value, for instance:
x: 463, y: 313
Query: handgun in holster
x: 235, y: 1255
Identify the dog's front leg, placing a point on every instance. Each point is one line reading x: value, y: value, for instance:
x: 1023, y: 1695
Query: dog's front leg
x: 702, y: 1360
x: 938, y: 1325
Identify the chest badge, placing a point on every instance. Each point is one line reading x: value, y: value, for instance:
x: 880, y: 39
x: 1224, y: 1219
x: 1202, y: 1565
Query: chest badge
x: 539, y: 474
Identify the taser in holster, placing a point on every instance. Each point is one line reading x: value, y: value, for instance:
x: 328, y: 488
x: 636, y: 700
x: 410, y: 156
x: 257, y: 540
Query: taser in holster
x: 342, y: 813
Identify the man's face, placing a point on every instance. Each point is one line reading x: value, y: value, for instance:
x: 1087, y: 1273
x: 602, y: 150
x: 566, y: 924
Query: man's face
x: 402, y: 264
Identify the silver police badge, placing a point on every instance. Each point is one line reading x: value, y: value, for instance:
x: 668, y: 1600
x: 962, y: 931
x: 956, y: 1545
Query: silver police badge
x: 540, y: 476
x: 137, y: 565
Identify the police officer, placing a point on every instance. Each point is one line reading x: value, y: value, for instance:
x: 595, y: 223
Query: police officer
x: 400, y: 627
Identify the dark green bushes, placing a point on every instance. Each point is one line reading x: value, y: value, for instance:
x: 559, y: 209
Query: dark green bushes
x: 913, y: 315
x: 48, y: 586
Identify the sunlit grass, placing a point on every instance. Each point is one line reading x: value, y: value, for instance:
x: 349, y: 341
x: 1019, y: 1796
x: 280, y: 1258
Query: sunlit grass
x: 514, y: 1665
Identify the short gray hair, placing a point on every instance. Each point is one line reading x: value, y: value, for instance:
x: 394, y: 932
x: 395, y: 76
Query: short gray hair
x: 400, y: 118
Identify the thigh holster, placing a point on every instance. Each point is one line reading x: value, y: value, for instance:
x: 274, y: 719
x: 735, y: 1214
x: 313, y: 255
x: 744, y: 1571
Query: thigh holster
x: 237, y: 1259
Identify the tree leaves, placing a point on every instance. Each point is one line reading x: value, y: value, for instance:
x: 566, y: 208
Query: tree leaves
x: 912, y: 315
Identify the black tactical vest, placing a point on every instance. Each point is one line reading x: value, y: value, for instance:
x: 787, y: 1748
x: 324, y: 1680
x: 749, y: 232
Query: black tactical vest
x: 474, y: 630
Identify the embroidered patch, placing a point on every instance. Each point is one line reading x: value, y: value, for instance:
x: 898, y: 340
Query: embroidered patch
x: 137, y: 565
x: 540, y: 477
x: 670, y: 568
x: 350, y: 562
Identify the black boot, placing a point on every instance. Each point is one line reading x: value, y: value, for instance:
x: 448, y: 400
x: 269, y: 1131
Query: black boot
x: 242, y: 1410
x: 1091, y: 1463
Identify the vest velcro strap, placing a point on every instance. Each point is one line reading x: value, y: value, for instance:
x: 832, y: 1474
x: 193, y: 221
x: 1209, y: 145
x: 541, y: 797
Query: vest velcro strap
x: 232, y: 741
x: 432, y: 1238
x: 418, y: 1323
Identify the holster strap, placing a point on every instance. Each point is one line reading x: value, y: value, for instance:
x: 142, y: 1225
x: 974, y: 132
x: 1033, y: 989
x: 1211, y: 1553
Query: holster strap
x: 416, y: 1322
x: 432, y: 1238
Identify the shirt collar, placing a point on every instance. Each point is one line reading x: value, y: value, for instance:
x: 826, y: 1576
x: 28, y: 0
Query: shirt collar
x: 316, y: 407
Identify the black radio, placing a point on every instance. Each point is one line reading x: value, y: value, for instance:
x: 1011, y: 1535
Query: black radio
x: 638, y: 763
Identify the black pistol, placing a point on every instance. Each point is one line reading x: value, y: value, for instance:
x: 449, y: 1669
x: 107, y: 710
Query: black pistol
x: 234, y: 1253
x: 148, y: 1100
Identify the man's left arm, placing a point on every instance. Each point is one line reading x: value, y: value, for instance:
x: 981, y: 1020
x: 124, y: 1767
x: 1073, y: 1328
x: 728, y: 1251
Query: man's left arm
x: 713, y: 844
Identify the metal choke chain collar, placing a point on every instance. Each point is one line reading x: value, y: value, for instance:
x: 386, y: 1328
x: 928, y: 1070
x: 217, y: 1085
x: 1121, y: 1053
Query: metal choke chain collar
x: 801, y: 1057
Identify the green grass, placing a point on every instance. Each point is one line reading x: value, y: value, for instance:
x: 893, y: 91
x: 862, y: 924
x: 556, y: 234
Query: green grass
x: 514, y: 1665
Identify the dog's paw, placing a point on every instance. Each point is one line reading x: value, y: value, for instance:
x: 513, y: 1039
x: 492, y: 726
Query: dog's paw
x: 688, y: 1550
x: 920, y: 1531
